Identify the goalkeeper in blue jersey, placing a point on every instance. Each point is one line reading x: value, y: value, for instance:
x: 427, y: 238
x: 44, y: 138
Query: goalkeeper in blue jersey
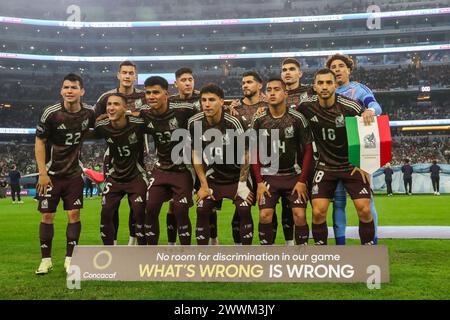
x: 342, y: 66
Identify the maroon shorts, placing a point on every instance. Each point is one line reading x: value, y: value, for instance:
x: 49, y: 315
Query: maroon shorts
x: 281, y: 186
x: 325, y: 182
x: 166, y: 185
x: 69, y: 190
x: 113, y: 192
x: 223, y: 191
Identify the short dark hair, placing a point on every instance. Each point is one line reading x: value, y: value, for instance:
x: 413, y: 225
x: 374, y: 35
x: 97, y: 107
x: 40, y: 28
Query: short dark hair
x: 346, y: 59
x: 291, y: 60
x: 406, y: 160
x: 120, y: 95
x: 324, y: 71
x: 212, y: 88
x: 74, y: 78
x: 127, y: 63
x: 156, y: 81
x: 182, y: 71
x: 277, y: 79
x: 253, y: 74
x: 434, y: 162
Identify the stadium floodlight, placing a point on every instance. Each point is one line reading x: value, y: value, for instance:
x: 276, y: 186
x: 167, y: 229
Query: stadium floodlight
x: 225, y: 22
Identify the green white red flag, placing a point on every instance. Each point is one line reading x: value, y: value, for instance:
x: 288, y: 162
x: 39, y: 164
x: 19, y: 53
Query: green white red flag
x: 369, y: 146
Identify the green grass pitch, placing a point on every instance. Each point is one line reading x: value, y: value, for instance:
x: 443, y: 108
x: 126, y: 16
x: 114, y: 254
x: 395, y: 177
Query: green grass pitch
x: 420, y: 269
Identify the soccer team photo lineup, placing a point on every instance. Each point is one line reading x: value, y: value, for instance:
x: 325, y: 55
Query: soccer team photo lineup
x: 327, y: 125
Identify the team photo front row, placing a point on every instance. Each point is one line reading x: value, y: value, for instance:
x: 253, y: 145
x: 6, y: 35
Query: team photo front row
x: 256, y: 151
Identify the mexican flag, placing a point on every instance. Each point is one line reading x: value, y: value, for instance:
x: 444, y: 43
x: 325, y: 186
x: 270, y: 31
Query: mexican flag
x: 369, y: 147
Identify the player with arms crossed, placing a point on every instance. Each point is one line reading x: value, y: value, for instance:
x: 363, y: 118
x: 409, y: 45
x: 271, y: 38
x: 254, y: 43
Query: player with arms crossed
x: 126, y: 175
x: 294, y: 148
x: 127, y: 75
x: 169, y: 180
x: 218, y: 178
x: 342, y: 66
x: 326, y: 113
x: 59, y: 135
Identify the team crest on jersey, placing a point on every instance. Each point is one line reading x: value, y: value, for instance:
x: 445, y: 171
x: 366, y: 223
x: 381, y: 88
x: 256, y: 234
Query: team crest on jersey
x: 196, y: 105
x: 85, y: 125
x: 289, y: 132
x: 138, y: 104
x: 370, y: 141
x: 173, y: 124
x: 340, y: 121
x: 315, y: 189
x: 132, y: 138
x: 226, y: 139
x: 44, y: 204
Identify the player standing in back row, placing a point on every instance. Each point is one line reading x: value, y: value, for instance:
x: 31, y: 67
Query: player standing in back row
x: 342, y: 66
x: 59, y: 135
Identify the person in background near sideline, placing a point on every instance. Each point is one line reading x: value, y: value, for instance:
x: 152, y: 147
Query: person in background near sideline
x: 14, y: 182
x: 435, y: 169
x: 388, y: 172
x: 407, y: 176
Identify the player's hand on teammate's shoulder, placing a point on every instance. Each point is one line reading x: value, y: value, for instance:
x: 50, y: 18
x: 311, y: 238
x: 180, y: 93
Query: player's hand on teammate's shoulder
x: 364, y: 175
x: 301, y: 190
x: 368, y: 116
x: 231, y: 108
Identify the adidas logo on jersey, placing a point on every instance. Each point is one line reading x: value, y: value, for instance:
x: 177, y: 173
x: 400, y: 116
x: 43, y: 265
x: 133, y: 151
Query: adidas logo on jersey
x: 77, y: 203
x: 138, y: 199
x: 364, y: 191
x: 109, y: 140
x: 184, y: 200
x: 243, y: 204
x: 200, y: 237
x: 150, y: 126
x: 314, y: 119
x: 298, y: 201
x: 62, y: 127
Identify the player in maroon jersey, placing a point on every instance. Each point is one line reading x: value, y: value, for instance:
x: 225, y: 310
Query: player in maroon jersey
x: 127, y: 76
x: 126, y: 175
x: 169, y: 180
x: 222, y: 177
x: 59, y: 135
x: 294, y: 149
x: 326, y: 113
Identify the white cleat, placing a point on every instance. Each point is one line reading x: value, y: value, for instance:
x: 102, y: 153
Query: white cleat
x: 214, y: 241
x: 20, y: 201
x: 67, y: 263
x: 438, y: 194
x: 45, y: 267
x: 132, y: 241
